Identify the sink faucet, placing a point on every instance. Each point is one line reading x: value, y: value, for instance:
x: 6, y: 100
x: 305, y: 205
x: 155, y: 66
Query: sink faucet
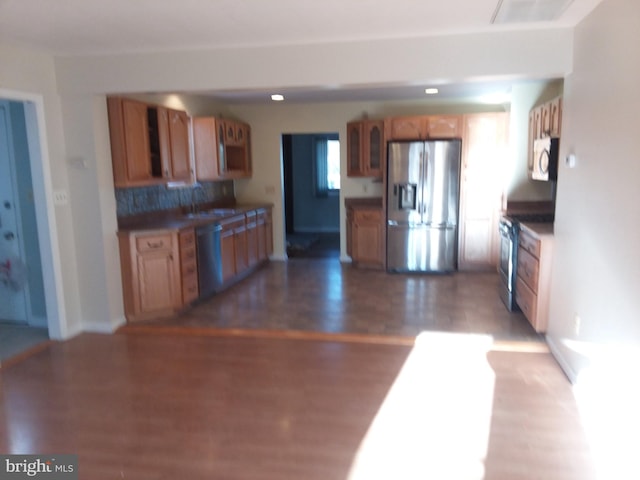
x: 194, y: 205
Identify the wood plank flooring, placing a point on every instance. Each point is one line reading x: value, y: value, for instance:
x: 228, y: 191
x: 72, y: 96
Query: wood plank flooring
x: 307, y: 370
x: 325, y: 296
x: 200, y: 407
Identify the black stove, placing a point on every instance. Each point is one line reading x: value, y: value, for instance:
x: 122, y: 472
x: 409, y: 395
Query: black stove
x: 531, y: 217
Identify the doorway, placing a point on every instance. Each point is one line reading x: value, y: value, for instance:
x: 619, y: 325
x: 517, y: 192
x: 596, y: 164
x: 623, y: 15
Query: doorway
x: 23, y: 313
x: 311, y: 166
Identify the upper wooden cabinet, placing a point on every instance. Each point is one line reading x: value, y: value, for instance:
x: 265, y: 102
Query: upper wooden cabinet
x: 222, y: 148
x: 149, y: 144
x: 423, y: 127
x: 365, y: 148
x: 180, y: 168
x: 544, y: 121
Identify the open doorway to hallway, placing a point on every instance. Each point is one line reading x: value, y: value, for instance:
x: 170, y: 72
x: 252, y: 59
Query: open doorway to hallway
x: 311, y: 166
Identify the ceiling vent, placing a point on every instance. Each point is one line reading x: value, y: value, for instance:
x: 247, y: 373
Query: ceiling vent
x: 524, y: 11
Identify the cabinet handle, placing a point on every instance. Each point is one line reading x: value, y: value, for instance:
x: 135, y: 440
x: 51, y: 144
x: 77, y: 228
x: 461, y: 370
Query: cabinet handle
x: 155, y: 244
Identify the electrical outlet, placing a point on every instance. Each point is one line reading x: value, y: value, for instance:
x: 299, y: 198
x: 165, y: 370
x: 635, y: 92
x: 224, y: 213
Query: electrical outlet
x: 60, y: 197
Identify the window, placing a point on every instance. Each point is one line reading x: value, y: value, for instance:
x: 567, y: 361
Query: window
x: 327, y: 162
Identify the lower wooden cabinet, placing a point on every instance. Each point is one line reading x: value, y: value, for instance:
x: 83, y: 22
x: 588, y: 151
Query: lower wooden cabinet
x: 246, y: 241
x: 534, y: 274
x: 151, y: 282
x: 188, y: 265
x: 365, y: 236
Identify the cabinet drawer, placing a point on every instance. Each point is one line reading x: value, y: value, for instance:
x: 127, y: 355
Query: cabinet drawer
x: 153, y: 242
x: 187, y: 238
x: 187, y: 255
x: 367, y: 216
x: 528, y: 267
x: 188, y: 268
x: 527, y: 301
x: 530, y: 244
x: 189, y: 289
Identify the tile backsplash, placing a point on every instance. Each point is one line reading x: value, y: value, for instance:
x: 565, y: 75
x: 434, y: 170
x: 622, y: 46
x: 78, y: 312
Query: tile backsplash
x: 134, y: 201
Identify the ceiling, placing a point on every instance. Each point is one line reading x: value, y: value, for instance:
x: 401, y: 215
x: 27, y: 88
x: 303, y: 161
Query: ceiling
x: 96, y: 27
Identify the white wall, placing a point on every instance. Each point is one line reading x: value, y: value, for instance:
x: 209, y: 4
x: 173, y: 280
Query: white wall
x: 29, y: 76
x: 596, y: 271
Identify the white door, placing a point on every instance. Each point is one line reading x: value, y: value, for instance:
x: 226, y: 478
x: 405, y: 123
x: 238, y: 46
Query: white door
x: 13, y: 300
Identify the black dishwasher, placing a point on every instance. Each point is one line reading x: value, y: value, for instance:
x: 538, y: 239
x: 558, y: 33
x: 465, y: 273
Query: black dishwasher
x: 209, y: 254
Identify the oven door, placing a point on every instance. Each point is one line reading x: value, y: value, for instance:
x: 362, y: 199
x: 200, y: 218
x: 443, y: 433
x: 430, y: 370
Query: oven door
x: 505, y: 267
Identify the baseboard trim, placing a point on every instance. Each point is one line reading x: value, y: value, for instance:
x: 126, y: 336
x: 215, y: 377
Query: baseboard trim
x: 99, y: 327
x: 564, y: 365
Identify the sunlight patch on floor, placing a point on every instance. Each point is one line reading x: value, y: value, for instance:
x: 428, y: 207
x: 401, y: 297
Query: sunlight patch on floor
x: 435, y: 419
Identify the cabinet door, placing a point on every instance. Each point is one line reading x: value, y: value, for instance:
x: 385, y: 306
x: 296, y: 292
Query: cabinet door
x: 408, y: 128
x: 545, y: 120
x: 179, y: 141
x: 252, y: 244
x: 555, y: 116
x: 262, y: 237
x: 222, y: 151
x: 230, y: 132
x: 240, y: 241
x: 228, y: 254
x: 373, y: 148
x: 205, y: 148
x: 268, y: 225
x: 366, y: 244
x: 137, y: 151
x: 444, y: 126
x: 483, y: 160
x: 354, y: 149
x: 158, y: 279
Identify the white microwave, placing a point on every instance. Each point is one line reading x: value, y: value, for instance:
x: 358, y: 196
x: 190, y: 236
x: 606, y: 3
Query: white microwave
x: 545, y: 159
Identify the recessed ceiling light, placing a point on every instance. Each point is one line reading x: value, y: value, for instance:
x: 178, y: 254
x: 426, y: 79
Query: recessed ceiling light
x: 276, y: 97
x: 430, y: 91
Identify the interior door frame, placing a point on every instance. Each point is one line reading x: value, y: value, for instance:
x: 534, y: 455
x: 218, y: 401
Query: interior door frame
x: 45, y: 215
x: 15, y: 200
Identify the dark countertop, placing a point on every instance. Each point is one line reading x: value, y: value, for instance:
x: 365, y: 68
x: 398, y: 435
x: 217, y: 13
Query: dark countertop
x: 538, y: 230
x: 178, y: 219
x: 363, y: 202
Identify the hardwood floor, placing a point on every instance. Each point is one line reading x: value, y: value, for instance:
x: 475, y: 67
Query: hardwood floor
x: 325, y: 296
x: 198, y: 407
x: 384, y: 376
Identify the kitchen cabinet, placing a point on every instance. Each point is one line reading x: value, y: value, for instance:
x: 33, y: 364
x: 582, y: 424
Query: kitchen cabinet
x: 484, y: 155
x: 179, y: 165
x: 365, y: 235
x: 151, y: 275
x: 533, y: 279
x: 188, y: 265
x: 149, y: 144
x: 222, y: 148
x: 545, y: 120
x: 366, y: 148
x: 206, y: 144
x: 252, y: 238
x: 265, y: 233
x: 423, y: 127
x: 234, y: 246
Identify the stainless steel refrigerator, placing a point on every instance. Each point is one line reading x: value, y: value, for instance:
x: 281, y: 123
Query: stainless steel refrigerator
x: 423, y: 195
